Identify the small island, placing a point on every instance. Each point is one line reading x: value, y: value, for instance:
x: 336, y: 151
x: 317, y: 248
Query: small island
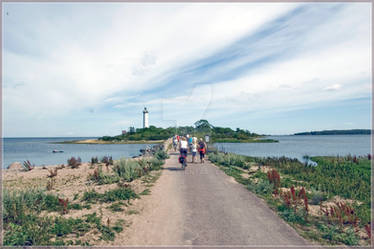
x: 200, y: 129
x: 337, y: 132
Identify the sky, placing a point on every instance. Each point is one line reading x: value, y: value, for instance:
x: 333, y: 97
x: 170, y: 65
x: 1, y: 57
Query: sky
x: 89, y: 69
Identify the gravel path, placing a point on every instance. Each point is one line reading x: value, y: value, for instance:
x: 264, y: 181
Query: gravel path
x: 201, y: 205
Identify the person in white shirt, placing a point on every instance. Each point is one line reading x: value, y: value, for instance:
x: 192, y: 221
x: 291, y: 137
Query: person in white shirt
x: 194, y: 151
x: 183, y: 146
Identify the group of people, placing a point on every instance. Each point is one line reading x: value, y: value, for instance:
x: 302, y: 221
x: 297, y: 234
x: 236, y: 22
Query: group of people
x: 190, y: 144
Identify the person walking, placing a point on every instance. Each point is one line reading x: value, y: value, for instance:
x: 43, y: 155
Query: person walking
x: 175, y: 142
x: 183, y: 146
x: 202, y: 150
x: 194, y: 151
x: 190, y: 143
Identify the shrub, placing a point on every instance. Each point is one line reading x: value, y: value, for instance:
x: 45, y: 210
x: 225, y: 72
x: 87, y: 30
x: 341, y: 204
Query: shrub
x: 293, y: 216
x: 117, y: 194
x: 274, y: 178
x: 52, y: 172
x: 49, y: 185
x: 108, y: 160
x: 261, y: 187
x: 100, y: 178
x: 128, y: 169
x: 116, y: 207
x: 155, y: 163
x: 341, y: 213
x: 94, y: 160
x: 28, y: 166
x: 64, y: 204
x: 74, y: 162
x: 91, y: 196
x: 317, y: 197
x: 161, y: 155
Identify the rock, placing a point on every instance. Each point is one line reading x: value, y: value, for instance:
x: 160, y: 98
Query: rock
x: 15, y: 166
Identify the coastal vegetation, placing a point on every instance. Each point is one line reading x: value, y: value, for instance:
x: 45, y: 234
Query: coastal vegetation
x: 200, y: 129
x: 337, y: 132
x: 329, y: 203
x: 60, y: 214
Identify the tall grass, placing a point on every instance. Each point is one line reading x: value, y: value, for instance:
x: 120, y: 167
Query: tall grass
x: 128, y: 169
x: 347, y: 177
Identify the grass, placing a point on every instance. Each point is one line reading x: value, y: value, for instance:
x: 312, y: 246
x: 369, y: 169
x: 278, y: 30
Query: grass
x: 145, y: 192
x: 116, y: 207
x: 129, y: 170
x: 24, y: 226
x: 131, y: 212
x: 100, y: 178
x: 347, y: 177
x: 26, y: 219
x: 118, y: 194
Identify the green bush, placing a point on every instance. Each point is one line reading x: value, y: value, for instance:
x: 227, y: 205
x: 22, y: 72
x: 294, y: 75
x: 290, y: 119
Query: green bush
x: 101, y: 178
x: 161, y: 155
x: 91, y: 196
x: 262, y: 187
x: 317, y: 197
x: 294, y: 217
x: 117, y: 194
x: 116, y: 207
x: 16, y: 203
x: 128, y: 169
x: 155, y: 163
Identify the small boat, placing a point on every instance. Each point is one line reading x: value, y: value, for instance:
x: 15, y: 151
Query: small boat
x: 57, y: 151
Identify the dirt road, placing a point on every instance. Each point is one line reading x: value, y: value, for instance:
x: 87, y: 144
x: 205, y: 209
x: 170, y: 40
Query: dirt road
x: 201, y: 205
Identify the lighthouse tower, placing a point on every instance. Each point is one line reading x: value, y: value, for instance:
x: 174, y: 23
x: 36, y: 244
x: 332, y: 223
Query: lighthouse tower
x: 145, y: 118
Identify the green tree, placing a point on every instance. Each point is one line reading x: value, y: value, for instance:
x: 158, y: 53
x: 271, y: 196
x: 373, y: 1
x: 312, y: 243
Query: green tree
x: 203, y: 125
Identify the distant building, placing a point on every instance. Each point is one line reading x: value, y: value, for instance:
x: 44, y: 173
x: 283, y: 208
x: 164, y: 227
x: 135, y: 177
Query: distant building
x: 132, y: 129
x: 145, y: 118
x: 124, y: 132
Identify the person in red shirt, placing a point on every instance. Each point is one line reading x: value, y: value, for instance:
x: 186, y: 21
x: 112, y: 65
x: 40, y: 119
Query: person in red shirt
x: 202, y: 150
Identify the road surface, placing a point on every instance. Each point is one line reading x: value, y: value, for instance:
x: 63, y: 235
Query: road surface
x: 201, y: 205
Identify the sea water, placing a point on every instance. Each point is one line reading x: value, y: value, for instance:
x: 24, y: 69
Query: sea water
x: 39, y: 150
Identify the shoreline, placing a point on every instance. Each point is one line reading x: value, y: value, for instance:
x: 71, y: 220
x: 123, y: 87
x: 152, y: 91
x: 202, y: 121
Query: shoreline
x: 96, y: 141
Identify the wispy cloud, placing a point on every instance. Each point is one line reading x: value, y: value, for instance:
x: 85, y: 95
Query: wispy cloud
x: 184, y: 61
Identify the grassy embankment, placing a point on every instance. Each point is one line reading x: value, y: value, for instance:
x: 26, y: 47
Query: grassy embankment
x: 81, y: 204
x: 328, y: 203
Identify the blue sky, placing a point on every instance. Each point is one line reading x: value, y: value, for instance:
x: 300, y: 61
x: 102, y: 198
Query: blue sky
x: 273, y: 68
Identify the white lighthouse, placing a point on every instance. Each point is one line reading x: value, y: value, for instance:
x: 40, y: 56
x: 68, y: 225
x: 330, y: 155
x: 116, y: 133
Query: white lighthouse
x: 145, y: 118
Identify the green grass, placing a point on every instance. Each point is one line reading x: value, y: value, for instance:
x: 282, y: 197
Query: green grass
x: 100, y: 178
x: 129, y: 170
x: 118, y: 194
x: 16, y: 203
x: 33, y: 230
x: 347, y: 177
x: 145, y: 192
x: 116, y: 207
x: 130, y: 212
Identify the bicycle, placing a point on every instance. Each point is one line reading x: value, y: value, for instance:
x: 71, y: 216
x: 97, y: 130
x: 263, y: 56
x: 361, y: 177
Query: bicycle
x: 183, y: 158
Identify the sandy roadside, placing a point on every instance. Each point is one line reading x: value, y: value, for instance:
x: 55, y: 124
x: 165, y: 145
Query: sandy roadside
x: 72, y: 183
